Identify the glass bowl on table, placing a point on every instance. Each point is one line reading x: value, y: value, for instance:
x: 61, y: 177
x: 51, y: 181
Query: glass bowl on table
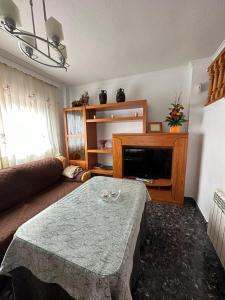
x: 110, y: 196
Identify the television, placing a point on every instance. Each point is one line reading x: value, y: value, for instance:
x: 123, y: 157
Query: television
x: 147, y: 163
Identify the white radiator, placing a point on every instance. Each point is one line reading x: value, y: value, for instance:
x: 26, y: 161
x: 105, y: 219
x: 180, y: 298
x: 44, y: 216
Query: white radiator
x: 216, y: 225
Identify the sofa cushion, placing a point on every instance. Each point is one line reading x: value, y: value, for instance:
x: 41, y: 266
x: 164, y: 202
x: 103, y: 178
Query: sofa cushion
x: 14, y: 217
x: 22, y: 181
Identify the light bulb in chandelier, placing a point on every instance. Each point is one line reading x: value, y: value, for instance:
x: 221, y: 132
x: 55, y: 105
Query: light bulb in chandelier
x: 9, y: 14
x: 54, y: 31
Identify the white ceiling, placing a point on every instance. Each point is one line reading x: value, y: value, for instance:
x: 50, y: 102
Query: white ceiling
x: 114, y: 38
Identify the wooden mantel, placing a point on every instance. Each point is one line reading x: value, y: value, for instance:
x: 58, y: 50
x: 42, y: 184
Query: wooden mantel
x: 174, y: 188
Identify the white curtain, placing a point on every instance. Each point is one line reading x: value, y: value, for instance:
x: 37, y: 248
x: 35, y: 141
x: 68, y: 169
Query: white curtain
x: 29, y: 118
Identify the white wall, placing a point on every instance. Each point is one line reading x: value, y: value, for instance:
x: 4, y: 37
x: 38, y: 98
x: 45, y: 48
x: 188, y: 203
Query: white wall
x: 212, y: 173
x: 206, y: 159
x: 159, y: 88
x: 212, y: 166
x: 198, y: 99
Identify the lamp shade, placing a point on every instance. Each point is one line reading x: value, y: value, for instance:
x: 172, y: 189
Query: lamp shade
x: 9, y: 10
x: 54, y: 30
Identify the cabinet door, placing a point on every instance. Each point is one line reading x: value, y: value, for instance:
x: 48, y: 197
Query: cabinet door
x: 76, y: 148
x: 74, y: 122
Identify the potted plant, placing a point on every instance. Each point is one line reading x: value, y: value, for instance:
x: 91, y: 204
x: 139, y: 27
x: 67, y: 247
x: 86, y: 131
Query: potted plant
x: 176, y: 117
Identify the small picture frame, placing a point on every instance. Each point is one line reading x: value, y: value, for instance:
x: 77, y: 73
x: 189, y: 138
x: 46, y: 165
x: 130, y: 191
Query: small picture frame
x: 155, y: 127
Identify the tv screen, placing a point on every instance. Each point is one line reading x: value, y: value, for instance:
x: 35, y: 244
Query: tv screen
x: 148, y: 163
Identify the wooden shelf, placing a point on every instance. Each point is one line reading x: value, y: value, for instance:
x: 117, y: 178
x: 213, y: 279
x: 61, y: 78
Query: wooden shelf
x: 73, y: 108
x: 100, y: 151
x: 119, y: 105
x: 102, y: 172
x: 78, y: 162
x: 157, y: 182
x: 119, y: 119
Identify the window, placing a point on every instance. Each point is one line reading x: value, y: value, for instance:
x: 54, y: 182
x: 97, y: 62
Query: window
x: 29, y: 118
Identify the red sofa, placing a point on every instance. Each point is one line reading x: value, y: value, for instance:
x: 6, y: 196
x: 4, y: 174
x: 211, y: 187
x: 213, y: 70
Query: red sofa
x: 26, y: 190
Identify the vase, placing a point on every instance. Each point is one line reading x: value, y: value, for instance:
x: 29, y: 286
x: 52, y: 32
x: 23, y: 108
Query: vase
x: 103, y: 97
x: 120, y: 96
x: 175, y: 129
x: 103, y: 143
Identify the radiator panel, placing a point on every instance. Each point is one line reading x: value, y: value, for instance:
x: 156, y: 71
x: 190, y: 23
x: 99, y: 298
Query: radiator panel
x: 216, y: 225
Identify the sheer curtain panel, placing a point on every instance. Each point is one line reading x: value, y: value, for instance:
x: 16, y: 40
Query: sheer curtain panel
x: 29, y: 118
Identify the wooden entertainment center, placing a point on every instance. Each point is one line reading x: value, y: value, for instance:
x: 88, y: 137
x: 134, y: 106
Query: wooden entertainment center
x: 161, y: 190
x: 81, y: 145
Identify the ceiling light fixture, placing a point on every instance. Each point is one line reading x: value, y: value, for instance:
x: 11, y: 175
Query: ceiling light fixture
x: 46, y: 51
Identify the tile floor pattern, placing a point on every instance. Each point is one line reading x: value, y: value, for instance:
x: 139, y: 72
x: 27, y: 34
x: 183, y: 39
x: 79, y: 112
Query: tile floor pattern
x: 178, y: 261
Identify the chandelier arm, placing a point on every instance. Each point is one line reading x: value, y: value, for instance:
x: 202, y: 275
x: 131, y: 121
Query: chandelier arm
x: 33, y: 23
x: 45, y: 18
x: 49, y: 43
x: 27, y: 46
x: 44, y: 10
x: 17, y: 34
x: 48, y: 65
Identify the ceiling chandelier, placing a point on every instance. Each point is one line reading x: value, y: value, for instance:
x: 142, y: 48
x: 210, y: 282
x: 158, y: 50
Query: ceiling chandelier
x: 46, y: 51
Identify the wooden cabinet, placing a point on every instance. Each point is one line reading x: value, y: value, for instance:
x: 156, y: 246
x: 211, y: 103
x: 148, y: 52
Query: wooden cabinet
x: 75, y: 135
x: 161, y: 190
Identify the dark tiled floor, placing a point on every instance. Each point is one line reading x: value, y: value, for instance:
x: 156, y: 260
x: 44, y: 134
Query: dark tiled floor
x: 178, y: 261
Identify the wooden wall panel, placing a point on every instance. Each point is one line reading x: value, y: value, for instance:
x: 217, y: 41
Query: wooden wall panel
x: 217, y: 78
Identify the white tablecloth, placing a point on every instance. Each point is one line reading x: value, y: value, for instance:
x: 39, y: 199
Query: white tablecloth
x: 82, y: 243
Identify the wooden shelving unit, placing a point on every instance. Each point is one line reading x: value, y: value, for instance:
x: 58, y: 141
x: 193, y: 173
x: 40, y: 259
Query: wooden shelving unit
x: 89, y: 130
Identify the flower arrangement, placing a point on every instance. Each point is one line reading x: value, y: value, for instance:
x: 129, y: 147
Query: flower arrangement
x: 176, y: 116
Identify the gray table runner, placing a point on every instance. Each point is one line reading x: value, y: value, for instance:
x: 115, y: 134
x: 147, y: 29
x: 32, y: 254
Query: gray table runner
x: 83, y: 243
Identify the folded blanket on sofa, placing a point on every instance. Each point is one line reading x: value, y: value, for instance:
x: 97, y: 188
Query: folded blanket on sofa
x: 72, y: 171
